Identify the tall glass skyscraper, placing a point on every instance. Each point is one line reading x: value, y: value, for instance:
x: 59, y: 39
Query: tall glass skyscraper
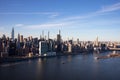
x: 12, y: 33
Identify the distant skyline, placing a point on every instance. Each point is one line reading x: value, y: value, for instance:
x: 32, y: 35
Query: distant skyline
x: 83, y: 19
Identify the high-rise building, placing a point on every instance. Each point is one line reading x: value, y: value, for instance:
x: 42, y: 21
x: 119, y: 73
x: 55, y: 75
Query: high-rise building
x: 96, y: 42
x: 78, y: 41
x: 43, y: 35
x: 59, y: 45
x: 12, y: 33
x: 12, y: 49
x: 43, y: 47
x: 18, y: 37
x: 18, y: 42
x: 59, y: 37
x: 48, y: 35
x: 21, y: 38
x: 69, y: 48
x: 31, y: 38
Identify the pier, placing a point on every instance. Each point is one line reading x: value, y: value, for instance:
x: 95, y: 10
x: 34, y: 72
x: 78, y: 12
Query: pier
x: 113, y: 55
x: 114, y: 49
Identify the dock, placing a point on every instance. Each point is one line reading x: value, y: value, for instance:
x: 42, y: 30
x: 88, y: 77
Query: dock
x: 108, y: 56
x: 114, y: 49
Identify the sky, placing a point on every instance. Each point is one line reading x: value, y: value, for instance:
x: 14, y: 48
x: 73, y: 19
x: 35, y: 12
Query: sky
x: 83, y: 19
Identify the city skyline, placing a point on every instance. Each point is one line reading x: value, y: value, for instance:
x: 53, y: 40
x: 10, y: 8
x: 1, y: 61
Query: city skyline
x: 76, y: 19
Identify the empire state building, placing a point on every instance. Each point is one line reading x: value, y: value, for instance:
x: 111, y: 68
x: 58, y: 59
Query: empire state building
x: 12, y: 34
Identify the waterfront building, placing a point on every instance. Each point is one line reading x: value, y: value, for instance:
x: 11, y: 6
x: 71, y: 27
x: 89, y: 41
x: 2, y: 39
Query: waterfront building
x: 43, y: 48
x: 12, y: 49
x: 23, y: 46
x: 35, y: 46
x: 69, y: 48
x: 46, y: 49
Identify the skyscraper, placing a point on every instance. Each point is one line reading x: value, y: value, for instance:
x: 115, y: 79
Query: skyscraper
x: 43, y: 47
x: 48, y: 35
x: 21, y: 38
x: 18, y: 41
x: 18, y: 37
x: 59, y: 46
x: 96, y: 43
x: 59, y: 37
x: 43, y: 34
x: 12, y: 33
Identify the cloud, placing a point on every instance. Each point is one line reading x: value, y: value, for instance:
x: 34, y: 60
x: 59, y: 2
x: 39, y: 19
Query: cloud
x: 19, y: 25
x: 35, y: 13
x: 102, y: 11
x: 110, y: 8
x: 45, y: 26
x: 54, y: 15
x: 73, y: 20
x: 51, y: 14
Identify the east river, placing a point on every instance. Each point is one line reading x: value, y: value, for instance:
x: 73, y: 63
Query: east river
x: 71, y: 67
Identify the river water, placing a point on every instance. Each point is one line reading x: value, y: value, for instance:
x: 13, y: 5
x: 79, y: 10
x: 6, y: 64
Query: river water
x: 72, y: 67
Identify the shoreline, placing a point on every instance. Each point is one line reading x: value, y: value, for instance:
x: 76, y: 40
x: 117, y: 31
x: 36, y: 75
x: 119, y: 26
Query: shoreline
x: 17, y: 59
x: 23, y: 58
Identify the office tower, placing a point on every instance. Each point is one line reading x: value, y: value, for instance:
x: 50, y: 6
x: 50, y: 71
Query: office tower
x: 18, y: 41
x: 48, y: 35
x: 78, y: 41
x: 12, y: 49
x: 12, y: 34
x: 43, y: 47
x: 18, y: 37
x: 59, y: 37
x: 43, y: 35
x: 4, y: 37
x: 21, y: 38
x: 69, y: 48
x: 96, y: 41
x: 31, y: 38
x: 59, y: 45
x: 28, y: 38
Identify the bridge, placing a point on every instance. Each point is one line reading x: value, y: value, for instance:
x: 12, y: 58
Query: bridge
x: 114, y: 49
